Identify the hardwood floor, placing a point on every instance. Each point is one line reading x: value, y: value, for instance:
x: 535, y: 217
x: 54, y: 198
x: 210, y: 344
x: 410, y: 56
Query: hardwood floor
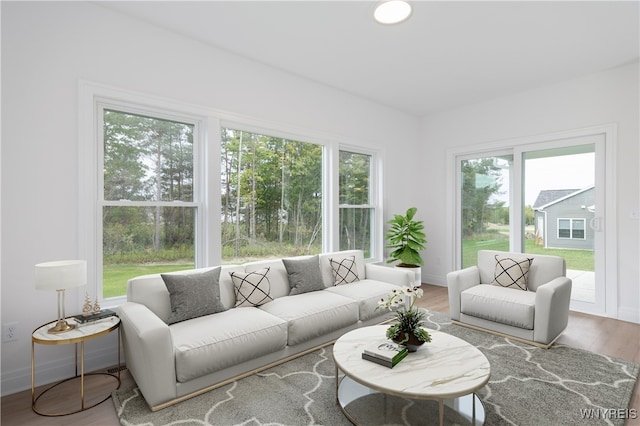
x: 602, y: 335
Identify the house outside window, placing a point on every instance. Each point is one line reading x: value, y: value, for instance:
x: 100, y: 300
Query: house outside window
x: 562, y: 217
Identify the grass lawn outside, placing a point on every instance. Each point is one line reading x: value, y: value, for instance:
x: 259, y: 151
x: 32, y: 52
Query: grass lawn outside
x: 581, y: 260
x: 115, y: 276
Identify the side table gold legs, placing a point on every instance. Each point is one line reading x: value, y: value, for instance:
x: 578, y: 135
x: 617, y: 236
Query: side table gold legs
x: 100, y: 330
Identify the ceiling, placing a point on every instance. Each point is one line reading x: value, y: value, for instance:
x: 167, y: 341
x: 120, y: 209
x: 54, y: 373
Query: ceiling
x: 448, y: 54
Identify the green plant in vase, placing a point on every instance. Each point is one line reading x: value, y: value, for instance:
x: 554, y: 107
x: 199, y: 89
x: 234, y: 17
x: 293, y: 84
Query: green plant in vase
x: 407, y: 330
x: 406, y: 237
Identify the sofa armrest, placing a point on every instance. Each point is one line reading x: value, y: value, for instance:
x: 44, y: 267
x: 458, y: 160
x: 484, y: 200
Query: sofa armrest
x: 148, y: 352
x: 552, y: 309
x: 457, y: 282
x: 387, y: 274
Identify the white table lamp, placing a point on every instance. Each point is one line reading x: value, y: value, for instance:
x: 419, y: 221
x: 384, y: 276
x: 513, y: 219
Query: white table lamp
x: 60, y: 275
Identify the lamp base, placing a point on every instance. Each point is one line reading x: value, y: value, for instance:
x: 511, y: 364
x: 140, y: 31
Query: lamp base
x: 61, y: 326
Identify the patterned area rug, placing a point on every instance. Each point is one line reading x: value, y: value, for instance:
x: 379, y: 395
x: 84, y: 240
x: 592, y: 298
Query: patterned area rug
x: 528, y: 386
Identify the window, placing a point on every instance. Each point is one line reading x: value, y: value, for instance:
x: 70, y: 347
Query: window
x: 271, y: 192
x: 151, y: 199
x: 571, y: 228
x: 356, y: 201
x: 148, y: 200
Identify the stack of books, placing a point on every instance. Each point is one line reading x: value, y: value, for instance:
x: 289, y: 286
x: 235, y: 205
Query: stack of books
x: 385, y: 352
x: 86, y: 319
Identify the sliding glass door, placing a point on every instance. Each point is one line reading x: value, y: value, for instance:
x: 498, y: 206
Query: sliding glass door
x: 561, y: 214
x: 545, y: 196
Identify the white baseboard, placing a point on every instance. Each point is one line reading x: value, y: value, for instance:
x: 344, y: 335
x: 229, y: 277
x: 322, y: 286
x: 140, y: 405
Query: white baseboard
x: 57, y: 369
x: 434, y: 279
x: 628, y: 314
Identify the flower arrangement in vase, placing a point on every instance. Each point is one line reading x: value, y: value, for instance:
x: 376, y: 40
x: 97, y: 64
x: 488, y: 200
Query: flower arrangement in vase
x: 407, y: 330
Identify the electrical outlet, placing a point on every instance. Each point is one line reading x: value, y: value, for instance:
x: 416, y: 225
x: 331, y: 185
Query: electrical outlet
x: 10, y: 332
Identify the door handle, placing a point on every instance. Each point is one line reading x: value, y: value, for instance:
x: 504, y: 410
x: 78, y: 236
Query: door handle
x: 596, y: 223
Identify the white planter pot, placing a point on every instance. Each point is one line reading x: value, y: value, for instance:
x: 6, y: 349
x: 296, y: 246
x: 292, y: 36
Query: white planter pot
x: 417, y: 270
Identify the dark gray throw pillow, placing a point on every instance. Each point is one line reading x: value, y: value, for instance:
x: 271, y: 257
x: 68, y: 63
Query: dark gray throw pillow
x: 193, y: 295
x: 304, y: 274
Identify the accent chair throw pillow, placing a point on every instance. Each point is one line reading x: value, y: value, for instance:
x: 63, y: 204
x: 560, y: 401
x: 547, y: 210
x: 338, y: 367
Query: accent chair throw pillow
x: 193, y: 295
x: 252, y: 288
x: 304, y: 274
x: 512, y: 272
x: 344, y: 270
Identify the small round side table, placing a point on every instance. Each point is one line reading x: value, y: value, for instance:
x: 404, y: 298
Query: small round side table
x: 79, y: 335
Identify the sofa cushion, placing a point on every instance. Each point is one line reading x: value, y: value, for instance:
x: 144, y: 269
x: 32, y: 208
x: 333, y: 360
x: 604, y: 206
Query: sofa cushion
x: 367, y: 293
x: 344, y: 270
x: 512, y: 271
x: 304, y: 274
x: 499, y: 304
x: 252, y: 288
x: 193, y: 295
x: 313, y: 314
x: 210, y: 343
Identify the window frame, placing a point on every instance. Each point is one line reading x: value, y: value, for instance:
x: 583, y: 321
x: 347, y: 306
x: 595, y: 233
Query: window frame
x: 93, y: 100
x: 375, y: 238
x: 197, y: 198
x: 571, y: 228
x: 248, y: 127
x: 207, y: 151
x: 606, y: 134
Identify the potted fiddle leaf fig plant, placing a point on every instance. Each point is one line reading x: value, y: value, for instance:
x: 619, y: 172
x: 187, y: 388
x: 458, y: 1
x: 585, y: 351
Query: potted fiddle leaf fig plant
x: 406, y: 238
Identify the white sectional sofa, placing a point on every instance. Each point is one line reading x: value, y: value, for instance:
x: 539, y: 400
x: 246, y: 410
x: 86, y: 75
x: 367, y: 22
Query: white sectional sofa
x: 294, y: 314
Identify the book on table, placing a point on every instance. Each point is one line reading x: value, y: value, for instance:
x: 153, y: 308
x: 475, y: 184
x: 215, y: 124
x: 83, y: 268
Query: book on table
x: 385, y: 351
x: 84, y: 319
x: 380, y: 361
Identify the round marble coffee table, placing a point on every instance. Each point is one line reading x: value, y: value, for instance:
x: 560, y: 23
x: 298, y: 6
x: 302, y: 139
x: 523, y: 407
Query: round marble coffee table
x: 439, y: 379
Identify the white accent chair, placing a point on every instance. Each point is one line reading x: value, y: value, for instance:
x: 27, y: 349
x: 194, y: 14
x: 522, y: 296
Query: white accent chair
x: 536, y: 316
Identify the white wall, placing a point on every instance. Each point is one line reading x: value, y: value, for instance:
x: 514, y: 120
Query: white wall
x: 599, y: 99
x: 46, y: 49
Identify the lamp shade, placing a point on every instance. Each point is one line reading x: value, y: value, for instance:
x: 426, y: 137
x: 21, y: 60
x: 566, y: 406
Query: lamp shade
x: 61, y: 274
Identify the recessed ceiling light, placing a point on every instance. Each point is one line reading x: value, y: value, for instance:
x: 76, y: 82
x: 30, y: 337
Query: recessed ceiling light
x: 392, y: 11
